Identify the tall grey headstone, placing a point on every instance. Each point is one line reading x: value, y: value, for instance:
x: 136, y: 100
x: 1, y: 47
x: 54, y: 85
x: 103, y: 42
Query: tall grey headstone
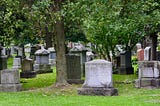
x: 81, y: 51
x: 98, y: 79
x: 73, y: 69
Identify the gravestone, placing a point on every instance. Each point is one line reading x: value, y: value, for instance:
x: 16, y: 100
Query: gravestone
x: 149, y: 74
x: 125, y: 63
x: 73, y: 69
x: 140, y: 54
x: 27, y: 69
x: 10, y: 81
x: 17, y: 63
x: 147, y: 53
x: 42, y: 61
x: 81, y: 51
x: 3, y: 60
x: 98, y: 79
x: 52, y: 56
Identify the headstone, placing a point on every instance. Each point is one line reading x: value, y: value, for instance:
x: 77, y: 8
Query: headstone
x: 52, y: 56
x: 3, y: 60
x: 158, y: 55
x: 16, y: 63
x: 149, y: 74
x: 140, y: 54
x: 10, y: 81
x: 98, y: 79
x: 90, y: 56
x: 73, y: 69
x: 4, y: 51
x: 27, y: 69
x: 42, y: 61
x: 81, y: 51
x: 32, y: 53
x: 125, y: 63
x: 147, y: 53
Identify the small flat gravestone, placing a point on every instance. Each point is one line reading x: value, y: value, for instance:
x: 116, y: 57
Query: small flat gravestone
x: 52, y: 56
x: 10, y: 81
x: 27, y: 69
x: 98, y: 79
x: 149, y: 74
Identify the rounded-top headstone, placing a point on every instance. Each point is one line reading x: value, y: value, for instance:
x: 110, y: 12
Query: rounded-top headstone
x: 51, y: 49
x: 98, y: 74
x: 42, y: 52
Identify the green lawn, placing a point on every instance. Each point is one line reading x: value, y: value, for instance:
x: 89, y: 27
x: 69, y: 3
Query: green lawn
x: 40, y: 91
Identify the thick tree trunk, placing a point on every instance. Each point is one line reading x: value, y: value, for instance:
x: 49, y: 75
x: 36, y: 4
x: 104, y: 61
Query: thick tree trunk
x: 61, y: 68
x: 61, y: 73
x: 154, y: 46
x: 48, y: 38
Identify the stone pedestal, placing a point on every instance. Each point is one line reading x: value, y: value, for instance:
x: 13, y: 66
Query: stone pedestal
x: 98, y: 79
x: 42, y: 62
x: 149, y: 74
x: 10, y: 81
x: 73, y: 69
x: 27, y: 69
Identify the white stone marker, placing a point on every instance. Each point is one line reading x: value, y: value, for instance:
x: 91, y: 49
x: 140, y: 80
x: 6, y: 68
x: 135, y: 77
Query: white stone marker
x: 98, y: 79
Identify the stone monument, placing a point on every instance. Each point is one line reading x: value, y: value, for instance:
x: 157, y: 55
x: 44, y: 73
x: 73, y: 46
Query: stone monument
x: 27, y: 69
x: 42, y: 61
x: 73, y: 69
x: 125, y: 63
x: 10, y: 81
x: 98, y: 79
x: 52, y: 56
x: 81, y: 51
x: 149, y: 74
x: 3, y: 60
x: 17, y: 63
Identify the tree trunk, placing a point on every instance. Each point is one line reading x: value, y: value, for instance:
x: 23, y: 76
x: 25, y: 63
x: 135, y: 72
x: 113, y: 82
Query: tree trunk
x: 59, y: 44
x: 48, y: 38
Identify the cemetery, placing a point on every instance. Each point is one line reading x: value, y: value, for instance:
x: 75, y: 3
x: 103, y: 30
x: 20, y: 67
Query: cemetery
x: 79, y: 53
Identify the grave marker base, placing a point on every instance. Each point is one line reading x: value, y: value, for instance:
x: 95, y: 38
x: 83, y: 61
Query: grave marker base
x: 98, y: 91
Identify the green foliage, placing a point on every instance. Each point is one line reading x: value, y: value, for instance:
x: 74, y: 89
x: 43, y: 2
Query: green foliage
x: 107, y: 23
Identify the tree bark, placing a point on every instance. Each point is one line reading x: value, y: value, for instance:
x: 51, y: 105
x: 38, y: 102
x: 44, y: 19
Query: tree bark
x: 61, y: 70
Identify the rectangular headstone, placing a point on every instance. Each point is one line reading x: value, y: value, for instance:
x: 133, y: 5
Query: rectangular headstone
x: 147, y: 53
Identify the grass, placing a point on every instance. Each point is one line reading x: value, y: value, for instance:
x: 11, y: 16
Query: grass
x: 40, y: 91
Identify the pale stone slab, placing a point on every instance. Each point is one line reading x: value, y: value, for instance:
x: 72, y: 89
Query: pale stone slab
x: 98, y: 74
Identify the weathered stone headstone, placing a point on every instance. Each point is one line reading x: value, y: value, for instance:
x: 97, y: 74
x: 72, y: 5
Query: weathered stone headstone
x: 125, y: 63
x: 149, y: 74
x: 42, y: 61
x: 3, y: 60
x: 98, y: 79
x: 52, y: 56
x: 17, y: 63
x: 73, y: 69
x: 27, y: 69
x: 158, y: 56
x: 81, y: 51
x: 10, y: 81
x: 147, y: 53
